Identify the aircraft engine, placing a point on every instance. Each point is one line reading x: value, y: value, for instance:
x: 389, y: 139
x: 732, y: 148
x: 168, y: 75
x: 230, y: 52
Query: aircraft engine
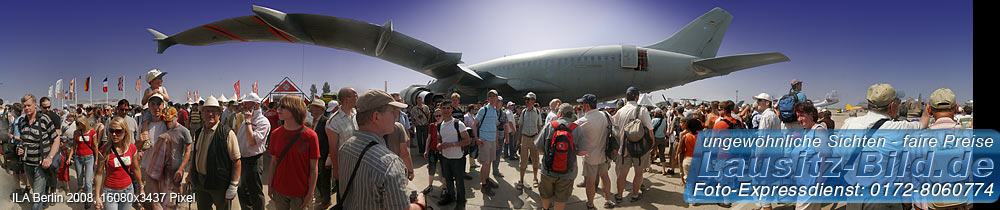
x: 413, y: 92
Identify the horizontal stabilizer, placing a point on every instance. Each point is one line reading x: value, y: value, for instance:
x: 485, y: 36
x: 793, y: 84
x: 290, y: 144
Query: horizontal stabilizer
x: 162, y: 43
x: 729, y: 64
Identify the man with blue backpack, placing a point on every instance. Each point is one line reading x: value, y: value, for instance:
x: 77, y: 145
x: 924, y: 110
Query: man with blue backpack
x: 560, y: 143
x: 787, y: 103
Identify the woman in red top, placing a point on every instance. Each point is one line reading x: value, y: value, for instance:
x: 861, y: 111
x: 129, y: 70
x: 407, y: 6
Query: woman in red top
x: 689, y: 139
x: 433, y: 154
x: 83, y: 154
x: 294, y: 179
x: 118, y: 171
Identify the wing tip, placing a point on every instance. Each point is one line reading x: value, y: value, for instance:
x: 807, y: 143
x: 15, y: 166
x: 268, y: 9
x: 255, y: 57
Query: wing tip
x: 162, y: 41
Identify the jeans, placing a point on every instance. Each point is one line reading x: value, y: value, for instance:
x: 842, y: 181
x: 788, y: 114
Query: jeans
x: 500, y: 145
x: 38, y: 177
x: 421, y: 137
x: 85, y: 172
x: 453, y: 170
x: 117, y: 195
x: 251, y: 191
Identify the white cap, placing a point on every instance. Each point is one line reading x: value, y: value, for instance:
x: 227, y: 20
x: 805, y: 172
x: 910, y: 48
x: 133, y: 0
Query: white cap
x: 510, y: 103
x: 763, y: 96
x: 333, y: 104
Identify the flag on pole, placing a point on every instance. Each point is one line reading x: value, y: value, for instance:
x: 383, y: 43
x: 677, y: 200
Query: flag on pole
x: 138, y: 83
x: 121, y: 83
x: 189, y: 96
x: 58, y: 86
x: 72, y: 85
x: 196, y: 94
x: 50, y: 90
x: 254, y: 87
x: 86, y: 85
x: 237, y: 87
x: 105, y: 84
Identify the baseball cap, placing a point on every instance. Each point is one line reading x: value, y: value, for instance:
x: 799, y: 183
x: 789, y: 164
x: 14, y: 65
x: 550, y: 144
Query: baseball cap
x: 251, y: 98
x: 880, y: 95
x: 632, y: 91
x: 493, y: 92
x: 332, y: 105
x: 796, y: 81
x: 510, y: 103
x: 943, y: 98
x: 587, y: 99
x: 530, y: 95
x: 373, y: 99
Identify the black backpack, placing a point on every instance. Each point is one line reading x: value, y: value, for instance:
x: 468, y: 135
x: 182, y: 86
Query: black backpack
x: 560, y: 149
x: 611, y: 146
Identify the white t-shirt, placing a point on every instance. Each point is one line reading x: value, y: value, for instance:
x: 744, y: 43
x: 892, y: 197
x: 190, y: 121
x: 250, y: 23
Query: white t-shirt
x: 448, y: 135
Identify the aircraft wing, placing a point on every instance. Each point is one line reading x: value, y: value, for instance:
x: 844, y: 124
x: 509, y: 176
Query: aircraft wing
x: 378, y: 41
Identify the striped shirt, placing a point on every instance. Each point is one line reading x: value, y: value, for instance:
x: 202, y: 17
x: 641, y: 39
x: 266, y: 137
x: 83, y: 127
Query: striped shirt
x: 37, y: 137
x: 380, y: 182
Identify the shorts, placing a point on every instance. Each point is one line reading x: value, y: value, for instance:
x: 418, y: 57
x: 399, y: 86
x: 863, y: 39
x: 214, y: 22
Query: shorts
x: 556, y: 189
x: 433, y: 158
x: 528, y: 150
x: 686, y: 164
x: 594, y: 170
x: 637, y: 163
x: 487, y: 152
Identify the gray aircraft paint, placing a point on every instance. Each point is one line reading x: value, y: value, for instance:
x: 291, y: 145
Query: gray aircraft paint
x: 606, y: 71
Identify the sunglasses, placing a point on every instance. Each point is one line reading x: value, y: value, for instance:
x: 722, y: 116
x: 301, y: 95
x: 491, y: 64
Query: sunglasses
x: 117, y: 131
x: 46, y: 107
x: 124, y: 109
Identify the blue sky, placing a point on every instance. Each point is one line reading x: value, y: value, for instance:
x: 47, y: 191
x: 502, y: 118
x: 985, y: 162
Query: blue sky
x: 917, y: 46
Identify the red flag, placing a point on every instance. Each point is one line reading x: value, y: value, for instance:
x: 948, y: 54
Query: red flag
x: 196, y: 95
x: 121, y: 83
x: 237, y: 87
x: 105, y: 84
x: 138, y: 83
x: 189, y: 96
x: 86, y: 85
x: 255, y: 87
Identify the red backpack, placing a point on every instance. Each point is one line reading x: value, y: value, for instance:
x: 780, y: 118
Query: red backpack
x: 560, y: 148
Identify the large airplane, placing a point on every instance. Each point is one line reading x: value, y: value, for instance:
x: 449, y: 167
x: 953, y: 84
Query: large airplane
x: 606, y: 71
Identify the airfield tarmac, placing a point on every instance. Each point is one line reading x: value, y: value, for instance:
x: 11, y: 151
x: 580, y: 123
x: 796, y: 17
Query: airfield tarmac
x: 665, y: 192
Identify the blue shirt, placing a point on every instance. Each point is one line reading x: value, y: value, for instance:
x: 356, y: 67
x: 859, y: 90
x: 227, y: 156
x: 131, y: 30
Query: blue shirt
x: 658, y: 133
x: 404, y: 119
x: 800, y: 95
x: 488, y: 118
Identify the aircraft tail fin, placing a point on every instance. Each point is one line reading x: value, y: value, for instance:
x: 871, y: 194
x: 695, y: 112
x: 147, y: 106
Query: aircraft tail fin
x: 701, y: 37
x: 162, y: 41
x: 729, y: 64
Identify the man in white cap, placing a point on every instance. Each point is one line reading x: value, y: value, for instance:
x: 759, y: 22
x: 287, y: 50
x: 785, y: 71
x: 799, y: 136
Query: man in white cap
x: 510, y: 143
x: 767, y: 118
x: 317, y: 111
x: 216, y: 148
x: 149, y: 130
x: 251, y: 134
x: 379, y: 179
x: 528, y: 128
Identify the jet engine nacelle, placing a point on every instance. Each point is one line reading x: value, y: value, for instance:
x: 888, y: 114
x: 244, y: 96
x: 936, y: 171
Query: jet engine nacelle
x: 413, y: 92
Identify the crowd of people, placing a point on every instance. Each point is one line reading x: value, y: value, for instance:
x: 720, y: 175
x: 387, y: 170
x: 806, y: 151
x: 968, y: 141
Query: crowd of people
x: 357, y: 147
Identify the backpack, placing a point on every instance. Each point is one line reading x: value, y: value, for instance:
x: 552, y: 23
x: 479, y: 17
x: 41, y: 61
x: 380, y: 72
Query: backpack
x: 785, y: 107
x: 611, y: 146
x: 560, y: 149
x: 638, y: 142
x: 732, y: 125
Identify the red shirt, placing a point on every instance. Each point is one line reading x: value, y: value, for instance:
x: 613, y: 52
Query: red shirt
x: 81, y: 143
x: 434, y: 137
x: 689, y: 141
x: 291, y: 177
x: 114, y: 174
x: 272, y: 117
x: 183, y: 117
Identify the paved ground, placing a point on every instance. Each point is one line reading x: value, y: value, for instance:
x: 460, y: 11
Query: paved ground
x: 665, y: 192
